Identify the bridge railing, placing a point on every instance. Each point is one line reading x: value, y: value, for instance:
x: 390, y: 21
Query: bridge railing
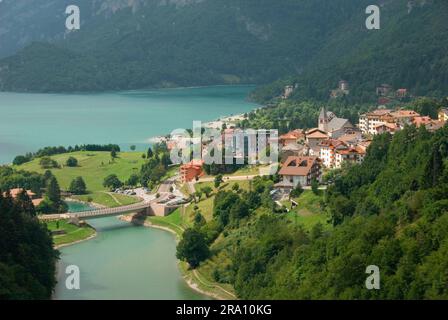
x: 110, y: 211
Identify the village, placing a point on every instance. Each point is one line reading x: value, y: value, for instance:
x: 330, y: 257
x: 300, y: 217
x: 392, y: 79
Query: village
x: 306, y: 155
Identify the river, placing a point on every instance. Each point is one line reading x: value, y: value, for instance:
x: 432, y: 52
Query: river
x: 123, y: 261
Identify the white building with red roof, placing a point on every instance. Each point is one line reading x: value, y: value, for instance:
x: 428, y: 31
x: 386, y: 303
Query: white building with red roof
x: 299, y: 170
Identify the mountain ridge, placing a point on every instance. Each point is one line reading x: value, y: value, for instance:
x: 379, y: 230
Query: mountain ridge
x: 202, y: 42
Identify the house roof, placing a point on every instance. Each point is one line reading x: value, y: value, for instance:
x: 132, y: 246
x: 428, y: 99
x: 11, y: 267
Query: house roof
x: 377, y: 113
x: 364, y: 144
x: 194, y: 164
x: 418, y: 121
x: 293, y: 135
x: 316, y: 134
x: 15, y: 192
x: 298, y: 166
x: 404, y: 114
x: 350, y: 137
x: 360, y: 150
x: 435, y: 125
x: 338, y: 123
x: 387, y: 125
x: 347, y: 151
x: 331, y: 143
x: 37, y: 202
x: 293, y: 147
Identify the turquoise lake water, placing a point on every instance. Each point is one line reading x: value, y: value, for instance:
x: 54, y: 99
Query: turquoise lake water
x: 32, y: 121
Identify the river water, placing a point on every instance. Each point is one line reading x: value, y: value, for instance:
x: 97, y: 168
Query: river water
x: 123, y: 262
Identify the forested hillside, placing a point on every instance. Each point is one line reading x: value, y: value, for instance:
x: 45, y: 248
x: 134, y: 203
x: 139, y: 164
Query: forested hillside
x: 391, y: 211
x: 408, y: 52
x: 314, y: 43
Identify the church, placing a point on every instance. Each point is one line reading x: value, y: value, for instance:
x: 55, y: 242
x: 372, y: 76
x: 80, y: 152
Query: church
x: 335, y: 127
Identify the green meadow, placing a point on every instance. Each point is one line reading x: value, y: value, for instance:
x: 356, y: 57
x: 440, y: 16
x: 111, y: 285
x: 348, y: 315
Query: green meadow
x: 73, y: 233
x: 308, y: 211
x: 93, y: 167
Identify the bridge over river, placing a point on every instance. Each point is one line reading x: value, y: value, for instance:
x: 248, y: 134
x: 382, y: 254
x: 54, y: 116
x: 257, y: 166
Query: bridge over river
x: 153, y: 208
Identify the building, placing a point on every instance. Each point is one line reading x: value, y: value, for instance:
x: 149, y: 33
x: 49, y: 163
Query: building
x: 351, y: 138
x: 435, y: 125
x: 368, y: 121
x: 382, y: 120
x: 288, y: 91
x: 443, y: 115
x: 402, y: 117
x: 382, y: 101
x: 385, y: 127
x: 343, y: 85
x: 342, y: 90
x: 291, y: 137
x: 401, y: 93
x: 364, y: 145
x: 332, y: 125
x: 15, y: 193
x: 419, y: 121
x: 315, y: 136
x: 383, y: 90
x: 348, y: 155
x: 293, y: 149
x: 328, y: 151
x: 299, y: 170
x: 192, y: 170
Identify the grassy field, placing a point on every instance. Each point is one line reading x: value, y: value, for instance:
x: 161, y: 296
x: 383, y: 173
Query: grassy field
x: 308, y: 212
x: 206, y: 204
x: 174, y: 221
x: 105, y: 199
x: 93, y: 167
x: 73, y: 233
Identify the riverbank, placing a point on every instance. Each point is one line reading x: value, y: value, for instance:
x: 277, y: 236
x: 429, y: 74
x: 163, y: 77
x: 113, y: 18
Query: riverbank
x: 78, y: 241
x: 193, y: 278
x: 66, y: 234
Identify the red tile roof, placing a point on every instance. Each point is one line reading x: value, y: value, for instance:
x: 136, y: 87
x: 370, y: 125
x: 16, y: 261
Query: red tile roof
x: 331, y: 143
x: 317, y: 135
x: 298, y: 166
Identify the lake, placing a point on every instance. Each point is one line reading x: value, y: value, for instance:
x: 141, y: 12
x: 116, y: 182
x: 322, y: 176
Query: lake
x: 32, y: 121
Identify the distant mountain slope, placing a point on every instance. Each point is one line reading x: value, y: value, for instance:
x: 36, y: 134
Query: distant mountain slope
x: 408, y: 52
x: 130, y: 44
